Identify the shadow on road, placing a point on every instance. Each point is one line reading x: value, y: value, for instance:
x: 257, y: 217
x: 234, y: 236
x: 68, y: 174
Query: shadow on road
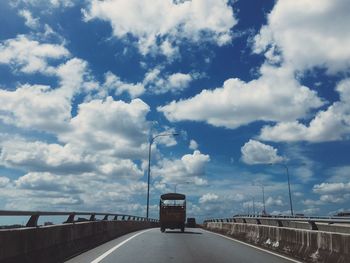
x: 186, y: 232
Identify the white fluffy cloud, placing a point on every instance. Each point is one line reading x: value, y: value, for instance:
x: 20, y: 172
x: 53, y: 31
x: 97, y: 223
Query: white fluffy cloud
x: 45, y: 182
x: 44, y: 3
x: 4, y: 181
x: 328, y: 125
x: 159, y: 84
x: 35, y: 107
x: 109, y: 125
x: 113, y: 82
x: 275, y: 96
x: 274, y: 201
x: 39, y: 156
x: 158, y: 25
x: 305, y: 36
x: 308, y: 34
x: 331, y: 188
x: 41, y: 107
x: 255, y: 152
x: 189, y: 168
x: 30, y: 21
x: 208, y: 198
x: 193, y: 145
x: 30, y: 56
x: 334, y: 193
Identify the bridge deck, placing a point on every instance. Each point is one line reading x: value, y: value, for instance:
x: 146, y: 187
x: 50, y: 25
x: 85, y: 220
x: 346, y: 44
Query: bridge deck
x: 195, y: 245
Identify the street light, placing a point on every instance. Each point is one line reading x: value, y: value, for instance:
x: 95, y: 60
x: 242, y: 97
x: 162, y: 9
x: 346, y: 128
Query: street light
x: 290, y: 195
x: 149, y: 163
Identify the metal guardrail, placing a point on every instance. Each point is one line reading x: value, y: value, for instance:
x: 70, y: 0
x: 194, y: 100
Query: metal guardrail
x: 312, y: 221
x: 34, y: 216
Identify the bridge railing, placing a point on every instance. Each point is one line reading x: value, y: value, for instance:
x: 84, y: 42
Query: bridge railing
x: 71, y: 216
x: 279, y: 220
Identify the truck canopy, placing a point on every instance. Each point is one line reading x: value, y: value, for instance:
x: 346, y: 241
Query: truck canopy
x: 172, y: 196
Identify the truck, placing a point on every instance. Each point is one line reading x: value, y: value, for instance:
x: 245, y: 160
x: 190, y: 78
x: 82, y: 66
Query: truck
x: 172, y: 211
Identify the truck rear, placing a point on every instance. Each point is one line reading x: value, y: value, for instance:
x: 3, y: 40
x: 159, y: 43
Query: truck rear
x: 172, y: 211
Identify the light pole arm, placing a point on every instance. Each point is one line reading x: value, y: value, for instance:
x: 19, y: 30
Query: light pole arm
x: 148, y: 174
x: 149, y: 164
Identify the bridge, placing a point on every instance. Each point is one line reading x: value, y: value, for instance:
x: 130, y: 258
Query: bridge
x: 107, y: 237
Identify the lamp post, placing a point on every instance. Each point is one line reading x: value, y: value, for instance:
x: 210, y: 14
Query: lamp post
x: 263, y: 192
x: 149, y: 163
x: 290, y: 195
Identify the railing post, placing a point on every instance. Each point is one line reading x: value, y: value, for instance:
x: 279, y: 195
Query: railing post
x: 92, y: 217
x: 70, y: 219
x: 313, y: 225
x: 115, y: 217
x: 33, y: 221
x: 279, y: 223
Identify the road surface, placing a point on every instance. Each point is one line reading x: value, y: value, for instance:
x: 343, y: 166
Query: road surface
x: 195, y: 245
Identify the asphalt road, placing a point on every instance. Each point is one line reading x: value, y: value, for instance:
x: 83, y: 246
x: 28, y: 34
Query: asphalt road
x: 195, y: 245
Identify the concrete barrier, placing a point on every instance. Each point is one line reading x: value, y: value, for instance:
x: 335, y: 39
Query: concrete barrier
x: 307, y: 245
x: 59, y: 242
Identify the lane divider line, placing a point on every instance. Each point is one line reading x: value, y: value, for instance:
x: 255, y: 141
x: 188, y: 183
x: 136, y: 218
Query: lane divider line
x: 117, y: 246
x: 259, y: 248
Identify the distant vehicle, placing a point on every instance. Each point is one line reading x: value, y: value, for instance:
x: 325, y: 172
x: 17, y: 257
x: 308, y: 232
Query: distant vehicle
x: 191, y: 222
x: 172, y: 211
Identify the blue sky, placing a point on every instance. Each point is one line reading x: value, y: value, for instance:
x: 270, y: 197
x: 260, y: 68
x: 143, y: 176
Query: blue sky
x: 85, y: 84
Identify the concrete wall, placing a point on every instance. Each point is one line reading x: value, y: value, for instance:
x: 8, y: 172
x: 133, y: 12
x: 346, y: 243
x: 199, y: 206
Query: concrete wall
x: 59, y: 242
x: 307, y: 245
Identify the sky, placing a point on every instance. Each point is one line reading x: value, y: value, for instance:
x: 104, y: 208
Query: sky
x: 251, y: 87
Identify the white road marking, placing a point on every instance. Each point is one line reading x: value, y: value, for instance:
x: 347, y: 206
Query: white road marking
x: 259, y: 248
x: 117, y: 246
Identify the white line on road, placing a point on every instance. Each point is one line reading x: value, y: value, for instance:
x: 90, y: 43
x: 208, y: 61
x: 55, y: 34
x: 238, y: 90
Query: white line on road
x: 117, y: 246
x: 267, y: 251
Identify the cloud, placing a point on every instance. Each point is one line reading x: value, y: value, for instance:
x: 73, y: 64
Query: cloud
x: 339, y: 174
x: 331, y: 188
x: 189, y: 168
x: 35, y: 107
x: 104, y: 138
x: 30, y: 56
x: 193, y: 145
x: 44, y: 3
x: 208, y: 198
x: 331, y: 124
x: 158, y: 84
x: 274, y: 201
x: 106, y: 125
x: 275, y: 96
x: 113, y: 82
x: 45, y: 182
x: 308, y: 35
x: 42, y: 157
x: 154, y: 81
x: 30, y: 21
x: 160, y: 25
x: 333, y: 199
x: 4, y: 181
x: 255, y: 152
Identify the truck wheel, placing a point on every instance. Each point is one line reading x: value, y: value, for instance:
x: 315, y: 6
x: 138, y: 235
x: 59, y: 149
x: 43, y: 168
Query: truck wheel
x: 162, y: 229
